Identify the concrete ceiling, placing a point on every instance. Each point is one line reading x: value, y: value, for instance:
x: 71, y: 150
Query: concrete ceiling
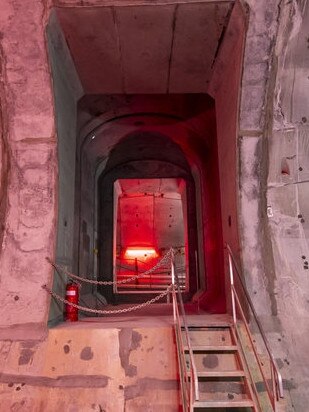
x: 145, y: 49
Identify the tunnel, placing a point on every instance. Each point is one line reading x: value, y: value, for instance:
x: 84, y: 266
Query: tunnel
x: 142, y: 152
x: 143, y: 192
x: 129, y: 129
x: 145, y: 179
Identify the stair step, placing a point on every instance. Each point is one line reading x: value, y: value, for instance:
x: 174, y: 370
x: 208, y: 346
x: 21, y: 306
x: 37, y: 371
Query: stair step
x: 212, y: 337
x: 208, y: 328
x: 224, y: 404
x: 214, y: 361
x: 221, y: 374
x: 210, y: 348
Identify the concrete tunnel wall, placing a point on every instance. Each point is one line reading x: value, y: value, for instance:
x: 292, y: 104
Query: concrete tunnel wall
x: 19, y: 122
x: 273, y: 272
x: 29, y: 174
x: 67, y: 90
x: 273, y: 183
x: 179, y: 114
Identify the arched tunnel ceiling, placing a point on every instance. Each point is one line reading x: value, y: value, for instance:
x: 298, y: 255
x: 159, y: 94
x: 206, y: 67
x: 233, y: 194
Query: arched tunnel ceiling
x: 187, y: 119
x: 157, y: 48
x: 109, y: 135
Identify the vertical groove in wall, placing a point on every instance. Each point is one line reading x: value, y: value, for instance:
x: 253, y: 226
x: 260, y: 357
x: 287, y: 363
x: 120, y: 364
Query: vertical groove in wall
x: 123, y: 79
x: 267, y: 249
x: 172, y: 48
x: 4, y: 149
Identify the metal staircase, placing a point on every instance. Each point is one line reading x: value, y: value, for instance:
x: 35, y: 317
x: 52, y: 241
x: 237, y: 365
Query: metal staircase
x: 222, y: 380
x: 221, y: 367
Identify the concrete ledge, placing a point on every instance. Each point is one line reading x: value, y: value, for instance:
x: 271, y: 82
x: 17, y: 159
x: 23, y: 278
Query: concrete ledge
x: 26, y: 331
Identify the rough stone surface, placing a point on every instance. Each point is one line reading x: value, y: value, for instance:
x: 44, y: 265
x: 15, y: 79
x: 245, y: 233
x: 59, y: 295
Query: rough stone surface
x: 29, y: 183
x: 273, y: 182
x: 287, y: 195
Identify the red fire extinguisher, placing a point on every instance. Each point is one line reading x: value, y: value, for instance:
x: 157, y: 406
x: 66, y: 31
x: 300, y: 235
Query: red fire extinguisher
x: 72, y: 296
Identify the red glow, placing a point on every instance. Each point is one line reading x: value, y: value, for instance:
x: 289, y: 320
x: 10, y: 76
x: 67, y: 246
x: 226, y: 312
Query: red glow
x: 138, y: 252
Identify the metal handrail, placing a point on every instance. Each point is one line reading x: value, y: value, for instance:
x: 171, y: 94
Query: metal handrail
x: 275, y: 374
x: 189, y: 382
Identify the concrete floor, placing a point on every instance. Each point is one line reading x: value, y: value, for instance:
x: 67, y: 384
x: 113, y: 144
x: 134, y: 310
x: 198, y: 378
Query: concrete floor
x: 124, y: 363
x: 111, y: 363
x: 157, y: 315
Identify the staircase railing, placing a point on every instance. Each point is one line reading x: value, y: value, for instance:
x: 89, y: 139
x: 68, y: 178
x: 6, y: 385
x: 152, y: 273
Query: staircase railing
x: 273, y: 384
x: 187, y: 367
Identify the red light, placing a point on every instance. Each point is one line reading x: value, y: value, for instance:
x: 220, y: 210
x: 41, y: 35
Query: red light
x: 139, y: 252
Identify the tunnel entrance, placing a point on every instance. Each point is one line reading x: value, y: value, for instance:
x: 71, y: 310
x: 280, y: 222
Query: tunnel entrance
x: 115, y: 91
x: 110, y: 80
x: 150, y: 217
x: 144, y: 148
x: 142, y: 212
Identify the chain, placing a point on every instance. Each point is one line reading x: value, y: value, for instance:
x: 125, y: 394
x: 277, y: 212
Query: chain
x: 166, y: 259
x: 108, y: 312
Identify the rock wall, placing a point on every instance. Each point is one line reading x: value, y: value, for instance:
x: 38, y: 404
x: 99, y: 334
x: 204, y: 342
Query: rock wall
x: 28, y: 186
x: 273, y: 153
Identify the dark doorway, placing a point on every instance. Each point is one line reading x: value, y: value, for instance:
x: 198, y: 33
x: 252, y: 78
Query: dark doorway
x: 144, y: 172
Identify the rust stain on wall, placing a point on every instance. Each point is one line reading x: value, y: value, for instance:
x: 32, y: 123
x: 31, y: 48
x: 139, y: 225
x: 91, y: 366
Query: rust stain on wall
x: 65, y: 381
x: 66, y: 349
x: 142, y: 385
x: 86, y: 354
x: 128, y: 340
x: 26, y: 353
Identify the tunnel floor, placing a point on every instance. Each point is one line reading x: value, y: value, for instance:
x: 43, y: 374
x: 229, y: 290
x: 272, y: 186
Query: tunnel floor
x: 154, y: 316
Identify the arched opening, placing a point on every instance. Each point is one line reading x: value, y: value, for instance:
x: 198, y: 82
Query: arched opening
x: 123, y: 139
x: 149, y: 137
x: 146, y: 181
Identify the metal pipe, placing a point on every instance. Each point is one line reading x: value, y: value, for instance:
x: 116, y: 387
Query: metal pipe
x: 180, y: 354
x: 182, y: 310
x: 232, y: 290
x: 191, y: 384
